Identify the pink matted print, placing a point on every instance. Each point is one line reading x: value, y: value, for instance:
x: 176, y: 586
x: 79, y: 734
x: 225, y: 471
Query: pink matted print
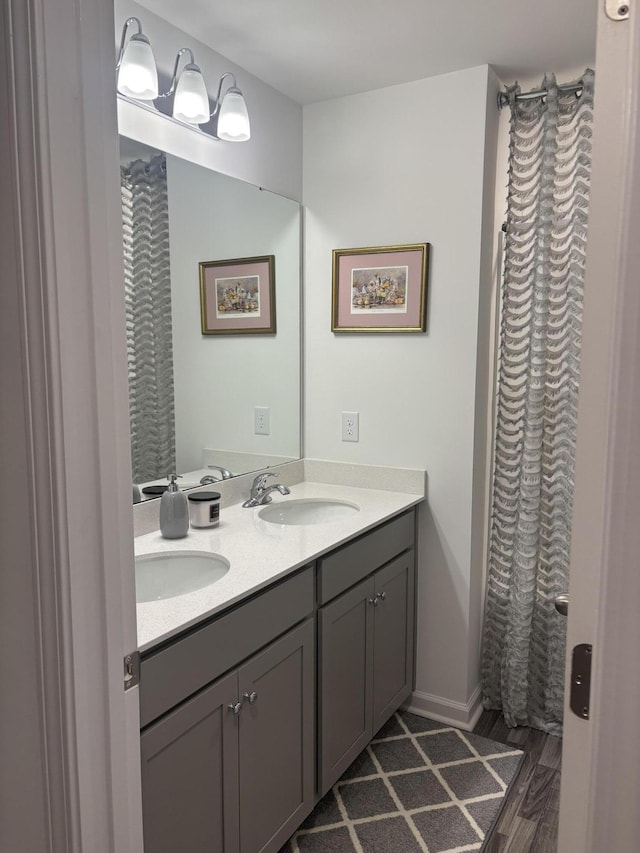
x: 380, y: 289
x: 238, y: 296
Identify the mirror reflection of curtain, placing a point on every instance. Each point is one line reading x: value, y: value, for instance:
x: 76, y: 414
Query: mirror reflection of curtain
x: 145, y: 216
x: 539, y: 370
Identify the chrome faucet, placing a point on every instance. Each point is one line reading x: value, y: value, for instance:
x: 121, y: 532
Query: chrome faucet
x: 209, y: 478
x: 226, y: 475
x: 261, y: 492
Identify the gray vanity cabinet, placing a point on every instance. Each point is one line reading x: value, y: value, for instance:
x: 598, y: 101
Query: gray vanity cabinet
x: 365, y: 644
x: 232, y: 769
x: 233, y: 741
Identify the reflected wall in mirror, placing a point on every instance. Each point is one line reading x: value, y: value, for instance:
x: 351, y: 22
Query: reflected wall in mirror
x: 193, y: 398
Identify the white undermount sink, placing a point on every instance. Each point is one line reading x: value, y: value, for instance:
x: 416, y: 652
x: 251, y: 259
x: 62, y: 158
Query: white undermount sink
x: 307, y: 511
x: 165, y: 575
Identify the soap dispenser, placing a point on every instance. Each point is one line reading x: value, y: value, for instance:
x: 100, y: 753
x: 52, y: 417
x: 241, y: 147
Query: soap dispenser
x: 174, y: 511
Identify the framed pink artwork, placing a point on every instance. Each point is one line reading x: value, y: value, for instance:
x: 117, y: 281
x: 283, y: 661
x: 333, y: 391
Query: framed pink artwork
x: 380, y: 289
x: 238, y: 296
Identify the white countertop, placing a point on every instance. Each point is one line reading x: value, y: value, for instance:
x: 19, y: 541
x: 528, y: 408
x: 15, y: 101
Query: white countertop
x: 259, y: 552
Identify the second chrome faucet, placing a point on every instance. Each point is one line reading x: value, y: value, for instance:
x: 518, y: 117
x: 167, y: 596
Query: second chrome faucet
x: 210, y: 479
x: 261, y: 492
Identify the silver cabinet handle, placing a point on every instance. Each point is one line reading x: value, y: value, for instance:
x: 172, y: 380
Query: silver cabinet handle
x: 374, y: 601
x: 251, y: 697
x: 562, y: 604
x: 236, y: 707
x: 382, y: 596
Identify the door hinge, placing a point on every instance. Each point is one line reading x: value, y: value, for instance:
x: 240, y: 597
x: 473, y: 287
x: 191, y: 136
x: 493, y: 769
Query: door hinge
x: 617, y: 10
x: 131, y: 670
x: 580, y: 680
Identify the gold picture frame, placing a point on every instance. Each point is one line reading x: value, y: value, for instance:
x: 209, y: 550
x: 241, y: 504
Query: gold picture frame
x: 238, y: 296
x: 380, y: 289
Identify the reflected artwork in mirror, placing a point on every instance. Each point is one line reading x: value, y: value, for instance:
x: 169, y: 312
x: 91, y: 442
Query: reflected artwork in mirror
x: 193, y: 397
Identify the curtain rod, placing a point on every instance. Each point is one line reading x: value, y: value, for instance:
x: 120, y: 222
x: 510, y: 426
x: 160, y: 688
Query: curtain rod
x: 503, y: 97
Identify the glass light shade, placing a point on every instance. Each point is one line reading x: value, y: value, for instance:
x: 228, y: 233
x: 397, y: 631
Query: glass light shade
x: 233, y: 119
x: 191, y: 102
x: 137, y: 75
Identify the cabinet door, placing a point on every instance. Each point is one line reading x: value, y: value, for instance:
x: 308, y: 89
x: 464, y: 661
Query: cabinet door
x: 393, y: 639
x: 346, y: 647
x: 190, y: 775
x: 277, y: 740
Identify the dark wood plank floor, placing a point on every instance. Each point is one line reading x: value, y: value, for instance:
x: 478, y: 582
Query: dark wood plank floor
x: 529, y: 820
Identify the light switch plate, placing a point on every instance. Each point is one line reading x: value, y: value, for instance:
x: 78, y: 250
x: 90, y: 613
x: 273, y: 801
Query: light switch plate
x: 350, y: 426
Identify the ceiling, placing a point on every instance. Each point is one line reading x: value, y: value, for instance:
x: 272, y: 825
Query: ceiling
x: 313, y: 50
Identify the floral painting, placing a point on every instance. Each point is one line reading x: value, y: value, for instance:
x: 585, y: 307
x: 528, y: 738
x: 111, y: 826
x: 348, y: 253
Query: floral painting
x: 236, y: 297
x: 382, y: 290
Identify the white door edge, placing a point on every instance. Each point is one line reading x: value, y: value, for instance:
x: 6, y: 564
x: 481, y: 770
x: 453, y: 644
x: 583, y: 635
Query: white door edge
x: 63, y: 217
x: 605, y: 540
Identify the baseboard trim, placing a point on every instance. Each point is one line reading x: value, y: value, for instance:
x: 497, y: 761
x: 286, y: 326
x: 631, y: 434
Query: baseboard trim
x: 462, y: 715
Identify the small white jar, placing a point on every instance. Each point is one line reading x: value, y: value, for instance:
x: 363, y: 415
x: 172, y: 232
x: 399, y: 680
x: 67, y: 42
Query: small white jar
x: 204, y: 509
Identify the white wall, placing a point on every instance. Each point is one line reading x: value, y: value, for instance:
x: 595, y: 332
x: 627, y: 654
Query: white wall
x: 272, y: 158
x: 401, y: 165
x: 219, y: 379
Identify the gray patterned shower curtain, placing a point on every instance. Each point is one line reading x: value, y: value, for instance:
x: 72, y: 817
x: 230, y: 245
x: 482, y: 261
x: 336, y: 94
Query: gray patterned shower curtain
x: 145, y: 219
x: 539, y: 365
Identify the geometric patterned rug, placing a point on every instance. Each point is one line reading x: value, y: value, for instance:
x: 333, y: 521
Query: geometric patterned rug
x: 418, y: 787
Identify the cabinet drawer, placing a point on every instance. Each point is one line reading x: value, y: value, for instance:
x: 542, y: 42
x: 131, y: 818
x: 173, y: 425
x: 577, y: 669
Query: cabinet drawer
x: 350, y: 564
x: 172, y: 674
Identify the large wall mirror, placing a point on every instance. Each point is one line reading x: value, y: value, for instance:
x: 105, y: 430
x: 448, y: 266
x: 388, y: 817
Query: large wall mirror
x: 193, y: 397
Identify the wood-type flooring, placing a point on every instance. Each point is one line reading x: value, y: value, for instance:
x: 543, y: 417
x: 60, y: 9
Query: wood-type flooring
x: 529, y: 819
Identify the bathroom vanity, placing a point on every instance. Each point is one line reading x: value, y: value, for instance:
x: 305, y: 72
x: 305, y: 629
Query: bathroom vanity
x: 252, y: 713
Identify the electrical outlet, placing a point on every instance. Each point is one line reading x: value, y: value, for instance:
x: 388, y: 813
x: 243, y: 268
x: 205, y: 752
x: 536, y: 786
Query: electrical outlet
x: 350, y: 426
x: 261, y: 415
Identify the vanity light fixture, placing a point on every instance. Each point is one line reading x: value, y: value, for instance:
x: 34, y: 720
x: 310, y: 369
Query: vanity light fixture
x: 138, y: 79
x: 136, y: 65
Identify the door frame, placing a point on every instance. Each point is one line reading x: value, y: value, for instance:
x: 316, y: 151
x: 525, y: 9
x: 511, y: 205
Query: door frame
x: 67, y: 514
x: 601, y: 756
